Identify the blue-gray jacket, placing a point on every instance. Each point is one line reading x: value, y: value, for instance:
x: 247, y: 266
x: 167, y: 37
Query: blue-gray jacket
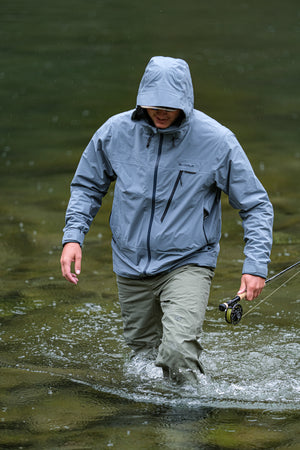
x: 166, y: 210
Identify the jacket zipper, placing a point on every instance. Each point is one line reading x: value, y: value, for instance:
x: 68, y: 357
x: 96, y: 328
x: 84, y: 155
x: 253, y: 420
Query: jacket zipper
x: 205, y: 215
x: 178, y: 179
x: 153, y: 202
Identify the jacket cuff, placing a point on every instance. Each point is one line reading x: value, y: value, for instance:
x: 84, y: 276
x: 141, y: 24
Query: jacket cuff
x: 73, y: 235
x: 253, y: 268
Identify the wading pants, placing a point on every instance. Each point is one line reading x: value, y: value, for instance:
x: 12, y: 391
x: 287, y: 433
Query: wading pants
x: 163, y: 317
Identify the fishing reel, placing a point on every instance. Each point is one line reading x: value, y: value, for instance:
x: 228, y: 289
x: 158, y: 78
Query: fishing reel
x: 233, y: 310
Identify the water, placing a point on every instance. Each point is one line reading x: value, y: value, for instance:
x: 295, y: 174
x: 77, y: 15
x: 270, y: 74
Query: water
x: 64, y: 369
x: 65, y: 377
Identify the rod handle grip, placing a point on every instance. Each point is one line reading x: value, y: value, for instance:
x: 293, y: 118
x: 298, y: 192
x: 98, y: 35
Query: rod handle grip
x: 243, y: 295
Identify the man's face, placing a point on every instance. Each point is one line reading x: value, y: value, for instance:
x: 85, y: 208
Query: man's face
x: 163, y: 118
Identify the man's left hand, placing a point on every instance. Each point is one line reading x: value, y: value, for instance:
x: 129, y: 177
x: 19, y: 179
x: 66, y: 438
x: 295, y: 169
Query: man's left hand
x: 252, y: 285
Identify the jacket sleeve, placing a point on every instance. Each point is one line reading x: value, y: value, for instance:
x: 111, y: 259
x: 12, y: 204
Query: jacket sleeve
x: 246, y: 193
x: 91, y: 181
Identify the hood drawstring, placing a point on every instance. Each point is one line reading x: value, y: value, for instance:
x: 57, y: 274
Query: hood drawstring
x: 174, y: 137
x: 149, y: 140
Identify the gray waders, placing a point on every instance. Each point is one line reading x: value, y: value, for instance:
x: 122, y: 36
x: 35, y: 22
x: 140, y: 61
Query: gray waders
x: 163, y: 317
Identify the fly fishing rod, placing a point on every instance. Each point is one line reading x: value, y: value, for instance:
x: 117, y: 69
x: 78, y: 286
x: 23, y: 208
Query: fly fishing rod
x: 233, y: 309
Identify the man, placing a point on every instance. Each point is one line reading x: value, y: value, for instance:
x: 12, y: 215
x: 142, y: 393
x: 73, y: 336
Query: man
x: 170, y: 163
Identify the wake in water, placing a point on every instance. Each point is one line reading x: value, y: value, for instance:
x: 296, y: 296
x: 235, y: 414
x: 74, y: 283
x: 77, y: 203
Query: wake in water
x: 252, y: 365
x: 249, y: 370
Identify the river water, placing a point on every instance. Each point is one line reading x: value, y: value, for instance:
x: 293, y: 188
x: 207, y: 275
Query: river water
x: 65, y: 377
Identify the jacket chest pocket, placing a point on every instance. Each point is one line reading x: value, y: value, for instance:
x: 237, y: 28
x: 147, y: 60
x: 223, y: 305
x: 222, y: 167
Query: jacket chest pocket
x: 177, y: 182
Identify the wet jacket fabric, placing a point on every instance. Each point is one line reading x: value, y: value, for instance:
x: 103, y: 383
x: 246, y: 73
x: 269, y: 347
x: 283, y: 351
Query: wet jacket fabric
x: 166, y: 210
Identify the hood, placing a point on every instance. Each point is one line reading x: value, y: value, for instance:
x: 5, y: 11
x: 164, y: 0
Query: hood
x: 167, y: 82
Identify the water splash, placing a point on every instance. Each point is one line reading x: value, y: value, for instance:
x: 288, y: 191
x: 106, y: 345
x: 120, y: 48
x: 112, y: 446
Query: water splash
x: 253, y: 365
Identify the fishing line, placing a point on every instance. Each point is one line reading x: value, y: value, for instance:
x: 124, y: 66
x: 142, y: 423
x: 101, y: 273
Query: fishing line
x: 234, y: 311
x: 273, y: 292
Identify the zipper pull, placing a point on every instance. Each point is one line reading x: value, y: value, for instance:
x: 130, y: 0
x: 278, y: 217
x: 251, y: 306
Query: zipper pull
x: 149, y: 140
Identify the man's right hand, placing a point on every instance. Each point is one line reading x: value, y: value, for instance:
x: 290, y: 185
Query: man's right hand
x: 71, y: 254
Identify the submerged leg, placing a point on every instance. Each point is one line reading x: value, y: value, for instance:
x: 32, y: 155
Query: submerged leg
x: 141, y: 313
x: 183, y: 295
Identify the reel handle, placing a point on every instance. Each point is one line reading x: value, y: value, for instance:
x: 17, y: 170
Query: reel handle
x: 224, y: 306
